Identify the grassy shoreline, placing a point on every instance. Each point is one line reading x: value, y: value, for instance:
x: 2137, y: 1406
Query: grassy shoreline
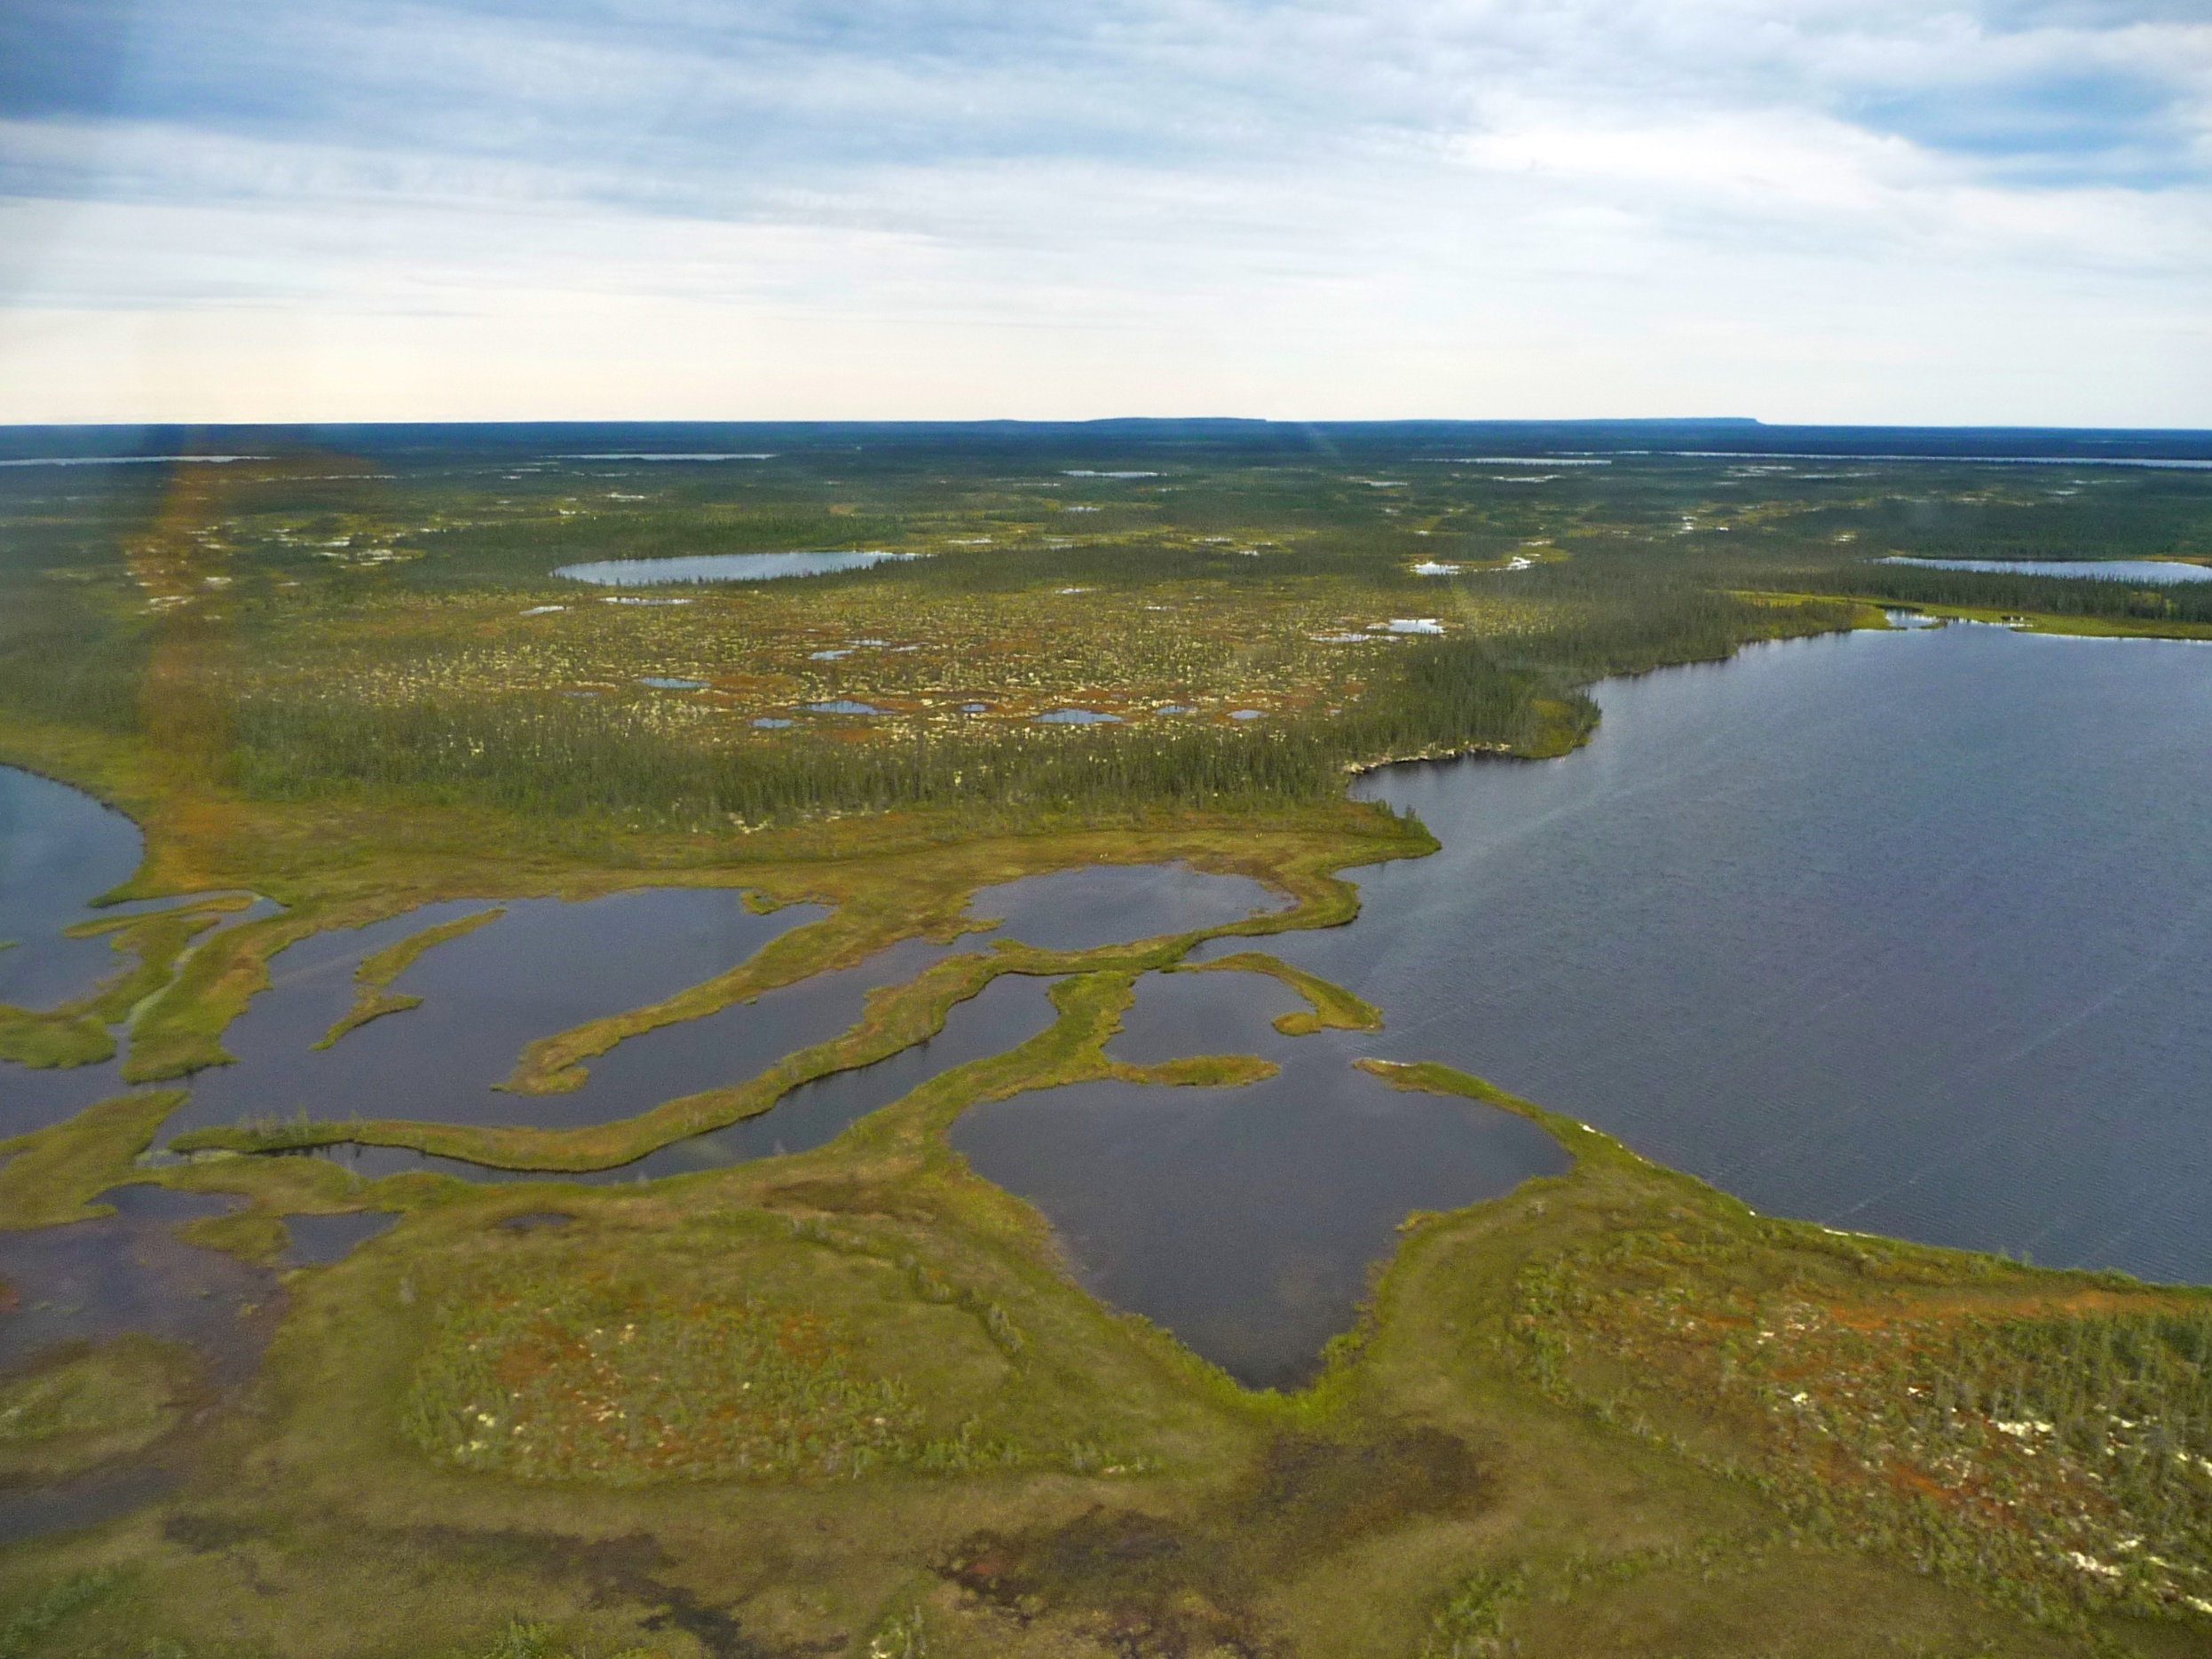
x: 818, y: 1403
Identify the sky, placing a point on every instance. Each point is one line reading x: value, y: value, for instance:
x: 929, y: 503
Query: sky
x: 1997, y: 211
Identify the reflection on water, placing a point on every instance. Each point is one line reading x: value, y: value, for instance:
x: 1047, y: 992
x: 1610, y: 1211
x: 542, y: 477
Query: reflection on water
x: 1004, y: 1015
x: 35, y: 1098
x: 60, y: 849
x: 1904, y: 932
x: 1243, y: 1219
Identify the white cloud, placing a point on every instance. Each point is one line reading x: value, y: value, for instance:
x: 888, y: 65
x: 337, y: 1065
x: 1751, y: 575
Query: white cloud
x: 1864, y: 210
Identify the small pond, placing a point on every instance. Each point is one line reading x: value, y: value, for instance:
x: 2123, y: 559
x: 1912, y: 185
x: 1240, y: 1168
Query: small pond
x: 319, y: 1239
x: 706, y: 567
x: 2137, y: 570
x: 1243, y: 1219
x: 89, y: 1281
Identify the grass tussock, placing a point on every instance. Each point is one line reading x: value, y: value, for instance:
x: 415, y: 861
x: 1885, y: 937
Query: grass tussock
x: 49, y: 1038
x: 55, y: 1172
x: 80, y: 1407
x: 2049, y: 1444
x: 621, y: 1381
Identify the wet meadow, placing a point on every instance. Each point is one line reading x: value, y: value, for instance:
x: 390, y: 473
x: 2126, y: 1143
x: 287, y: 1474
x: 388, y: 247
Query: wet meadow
x: 405, y: 1253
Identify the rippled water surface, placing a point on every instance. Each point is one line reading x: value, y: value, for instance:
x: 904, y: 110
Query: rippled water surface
x: 1907, y: 932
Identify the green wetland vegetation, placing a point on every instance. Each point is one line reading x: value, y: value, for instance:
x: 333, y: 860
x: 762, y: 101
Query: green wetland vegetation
x: 851, y: 1400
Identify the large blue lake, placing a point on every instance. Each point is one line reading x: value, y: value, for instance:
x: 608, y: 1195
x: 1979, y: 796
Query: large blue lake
x: 1908, y: 932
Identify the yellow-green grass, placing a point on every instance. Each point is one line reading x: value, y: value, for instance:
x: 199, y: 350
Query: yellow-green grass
x: 1377, y: 1513
x: 1208, y: 645
x: 179, y: 1030
x: 373, y: 1000
x: 1673, y: 1316
x: 889, y: 877
x: 254, y: 1234
x: 1426, y: 1492
x: 52, y: 1174
x: 1334, y: 1007
x: 902, y: 901
x: 2048, y: 622
x: 54, y: 1038
x: 1072, y: 1050
x: 80, y: 1407
x: 554, y: 1064
x: 926, y: 896
x: 158, y: 941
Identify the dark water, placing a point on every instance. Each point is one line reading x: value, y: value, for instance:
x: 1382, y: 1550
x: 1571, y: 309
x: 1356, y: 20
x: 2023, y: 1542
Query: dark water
x: 129, y: 1272
x: 545, y: 965
x: 32, y: 1098
x: 1079, y: 909
x: 1243, y: 1219
x: 323, y: 1238
x: 1908, y: 932
x: 59, y: 850
x: 1005, y: 1013
x: 91, y: 1281
x: 88, y: 1500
